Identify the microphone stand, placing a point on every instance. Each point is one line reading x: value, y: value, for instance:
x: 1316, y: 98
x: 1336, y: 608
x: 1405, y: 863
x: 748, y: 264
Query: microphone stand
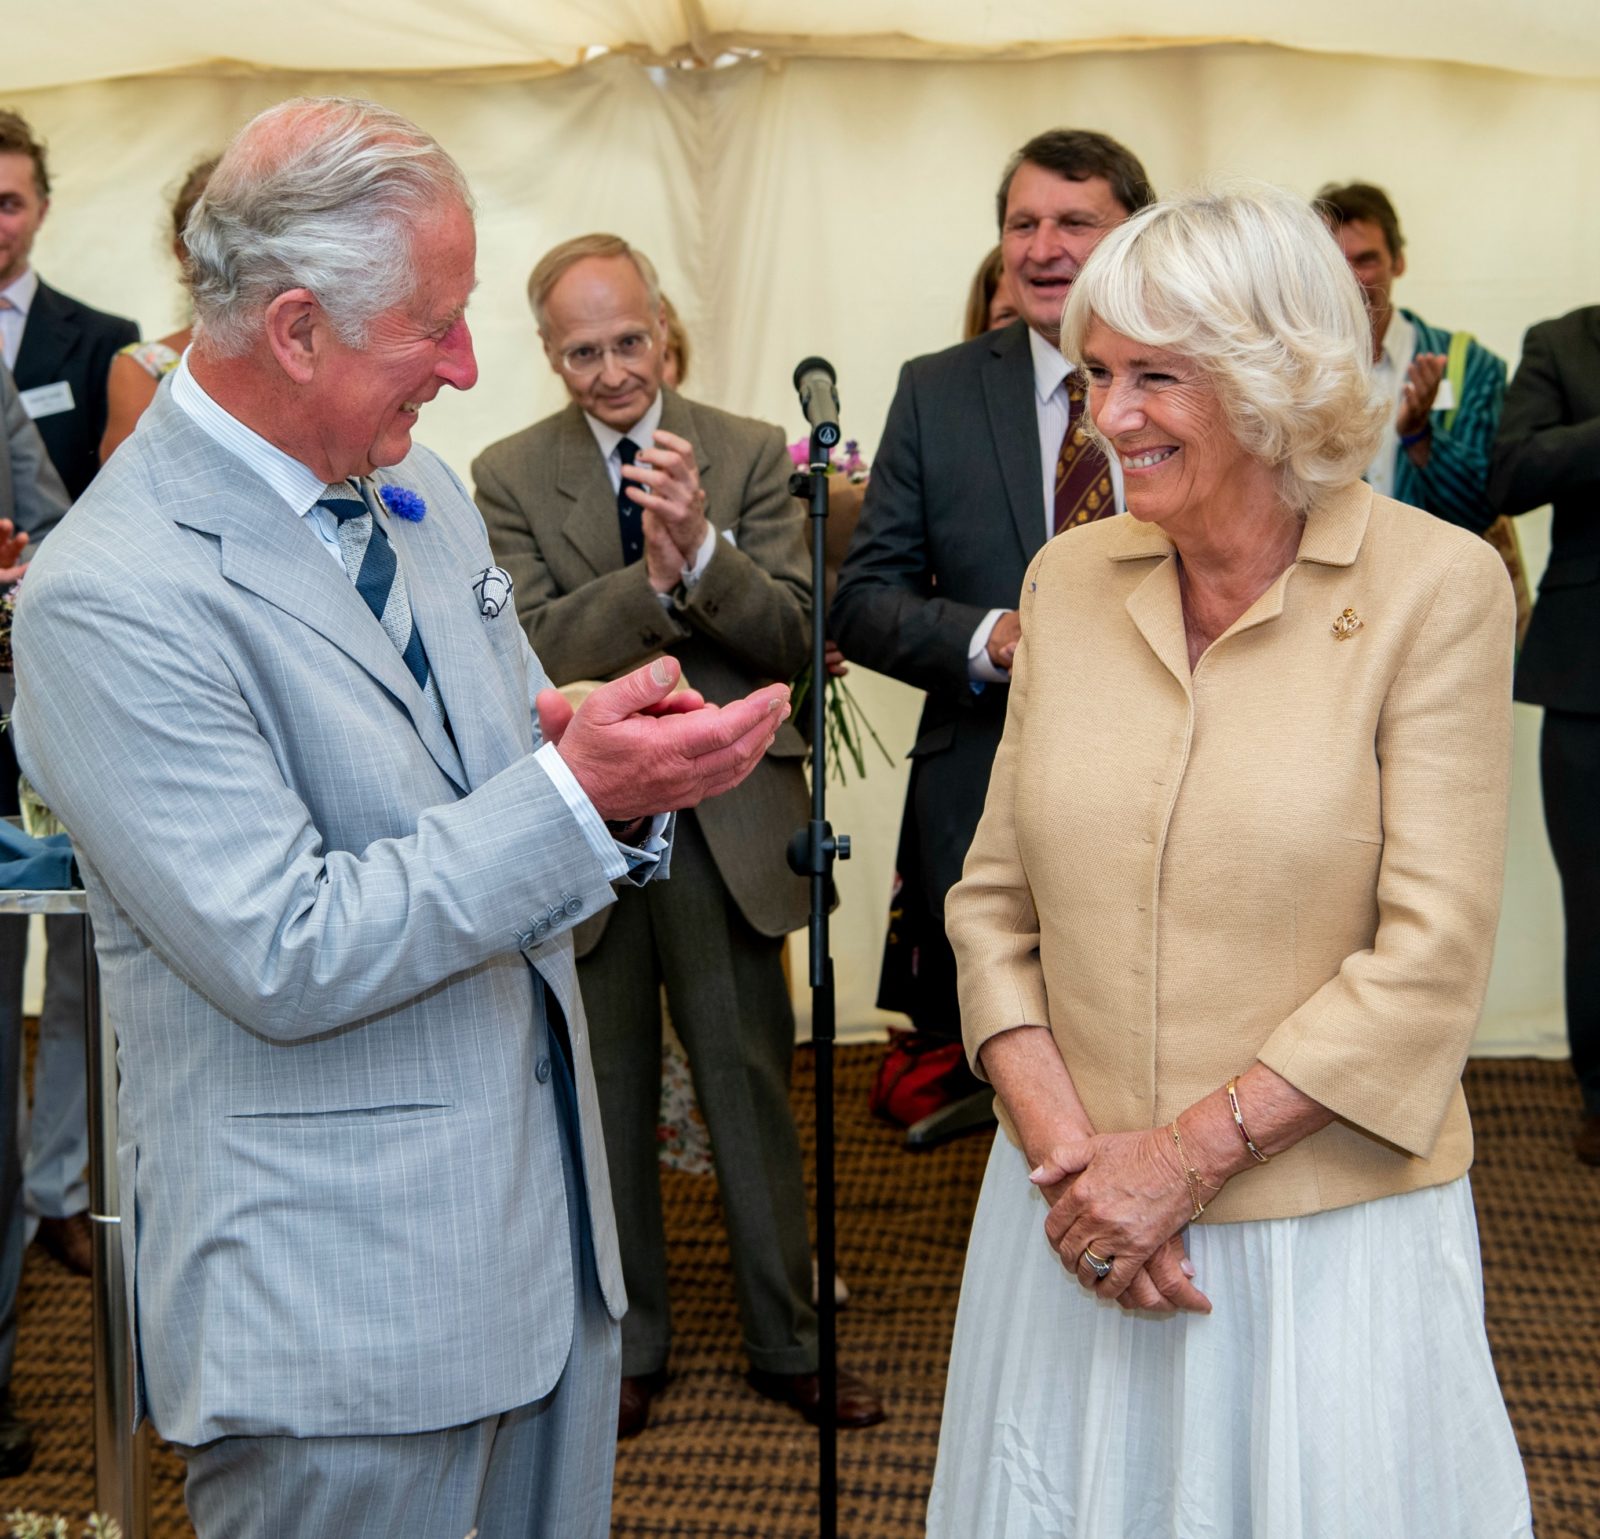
x: 812, y: 852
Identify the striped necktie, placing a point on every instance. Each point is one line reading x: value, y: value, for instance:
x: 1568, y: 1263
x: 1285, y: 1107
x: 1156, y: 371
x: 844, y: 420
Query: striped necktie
x: 370, y: 562
x: 1083, y: 478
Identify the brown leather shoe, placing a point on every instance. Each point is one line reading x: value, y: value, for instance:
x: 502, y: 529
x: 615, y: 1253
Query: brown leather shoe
x: 70, y: 1240
x: 855, y: 1404
x: 1586, y: 1142
x: 633, y: 1404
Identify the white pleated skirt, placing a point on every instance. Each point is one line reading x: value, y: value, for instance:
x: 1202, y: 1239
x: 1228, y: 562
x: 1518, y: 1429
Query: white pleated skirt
x: 1341, y: 1388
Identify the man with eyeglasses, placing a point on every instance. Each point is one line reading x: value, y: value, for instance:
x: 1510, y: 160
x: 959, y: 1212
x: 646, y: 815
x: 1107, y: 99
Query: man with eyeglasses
x: 636, y: 522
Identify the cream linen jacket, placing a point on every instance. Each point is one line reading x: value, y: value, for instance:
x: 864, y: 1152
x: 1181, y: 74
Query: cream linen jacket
x: 1293, y: 854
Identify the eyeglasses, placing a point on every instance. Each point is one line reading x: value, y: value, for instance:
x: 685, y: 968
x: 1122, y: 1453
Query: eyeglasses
x: 589, y: 357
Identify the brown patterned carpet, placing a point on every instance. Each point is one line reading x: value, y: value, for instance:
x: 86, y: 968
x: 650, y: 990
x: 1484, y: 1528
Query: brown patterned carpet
x: 718, y: 1461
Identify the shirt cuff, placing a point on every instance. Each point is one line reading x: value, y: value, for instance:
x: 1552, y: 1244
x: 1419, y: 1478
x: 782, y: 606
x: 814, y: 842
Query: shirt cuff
x: 980, y: 666
x: 611, y: 855
x: 696, y: 569
x: 693, y: 572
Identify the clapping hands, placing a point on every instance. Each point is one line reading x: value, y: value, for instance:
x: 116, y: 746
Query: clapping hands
x: 636, y: 748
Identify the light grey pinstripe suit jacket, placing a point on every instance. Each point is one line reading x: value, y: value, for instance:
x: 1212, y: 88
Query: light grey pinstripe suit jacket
x: 342, y: 1197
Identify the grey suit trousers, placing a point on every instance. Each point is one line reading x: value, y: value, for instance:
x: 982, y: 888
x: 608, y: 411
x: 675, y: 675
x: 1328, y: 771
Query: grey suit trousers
x: 540, y: 1471
x: 730, y: 1006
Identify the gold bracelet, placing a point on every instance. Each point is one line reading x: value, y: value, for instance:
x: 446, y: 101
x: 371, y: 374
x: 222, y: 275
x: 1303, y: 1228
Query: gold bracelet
x: 1238, y: 1122
x: 1190, y: 1174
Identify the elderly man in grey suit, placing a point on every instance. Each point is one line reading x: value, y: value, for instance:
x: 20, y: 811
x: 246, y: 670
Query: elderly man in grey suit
x: 335, y: 836
x: 635, y: 523
x: 32, y: 500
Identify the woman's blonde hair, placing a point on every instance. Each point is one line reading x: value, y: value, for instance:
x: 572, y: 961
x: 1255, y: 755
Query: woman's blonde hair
x: 1246, y: 280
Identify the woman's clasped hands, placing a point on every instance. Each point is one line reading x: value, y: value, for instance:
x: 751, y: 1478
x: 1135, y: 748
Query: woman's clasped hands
x: 1123, y: 1198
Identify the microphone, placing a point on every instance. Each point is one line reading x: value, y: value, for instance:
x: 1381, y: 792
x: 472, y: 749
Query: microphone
x: 814, y: 379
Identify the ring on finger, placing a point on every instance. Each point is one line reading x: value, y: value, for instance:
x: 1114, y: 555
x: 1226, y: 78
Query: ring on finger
x: 1099, y: 1265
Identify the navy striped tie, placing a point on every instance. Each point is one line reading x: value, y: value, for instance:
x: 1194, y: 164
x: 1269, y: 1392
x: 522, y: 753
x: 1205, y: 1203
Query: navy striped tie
x: 369, y: 560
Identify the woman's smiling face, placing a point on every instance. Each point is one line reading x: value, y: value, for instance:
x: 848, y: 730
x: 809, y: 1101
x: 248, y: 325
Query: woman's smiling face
x: 1162, y: 416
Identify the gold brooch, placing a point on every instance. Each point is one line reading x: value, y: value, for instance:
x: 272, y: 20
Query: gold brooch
x: 1347, y: 625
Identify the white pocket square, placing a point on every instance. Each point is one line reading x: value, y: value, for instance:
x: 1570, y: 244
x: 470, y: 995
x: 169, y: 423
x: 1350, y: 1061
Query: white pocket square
x: 493, y: 588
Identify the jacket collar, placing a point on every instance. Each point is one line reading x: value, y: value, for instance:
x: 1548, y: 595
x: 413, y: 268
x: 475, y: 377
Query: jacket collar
x: 1334, y: 530
x: 51, y: 335
x: 268, y: 549
x: 1008, y: 391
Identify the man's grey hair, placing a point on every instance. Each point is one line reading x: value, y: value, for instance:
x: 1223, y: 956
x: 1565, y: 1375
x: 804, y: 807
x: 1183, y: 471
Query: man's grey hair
x: 318, y: 193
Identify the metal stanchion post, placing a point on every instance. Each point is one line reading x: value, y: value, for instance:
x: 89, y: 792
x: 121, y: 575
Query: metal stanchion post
x: 121, y: 1459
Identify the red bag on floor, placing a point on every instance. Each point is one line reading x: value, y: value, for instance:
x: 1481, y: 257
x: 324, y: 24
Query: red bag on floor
x: 918, y: 1075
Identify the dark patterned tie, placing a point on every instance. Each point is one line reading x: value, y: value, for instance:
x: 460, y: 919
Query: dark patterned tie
x: 370, y: 562
x: 630, y: 516
x: 1083, y: 478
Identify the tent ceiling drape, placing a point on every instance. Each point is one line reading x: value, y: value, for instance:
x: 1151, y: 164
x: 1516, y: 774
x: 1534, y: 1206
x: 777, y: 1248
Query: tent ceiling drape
x: 1547, y: 37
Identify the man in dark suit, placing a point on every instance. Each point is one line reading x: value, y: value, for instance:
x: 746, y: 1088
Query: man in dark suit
x: 60, y: 353
x: 32, y: 501
x: 983, y: 458
x: 58, y: 349
x: 636, y: 522
x: 1548, y: 450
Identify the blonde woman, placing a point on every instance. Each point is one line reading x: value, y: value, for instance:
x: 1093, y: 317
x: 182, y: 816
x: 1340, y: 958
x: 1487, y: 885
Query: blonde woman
x: 1223, y: 936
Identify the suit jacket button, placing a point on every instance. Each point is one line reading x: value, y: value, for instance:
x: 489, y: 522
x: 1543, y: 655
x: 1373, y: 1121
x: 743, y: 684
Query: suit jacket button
x: 541, y: 1071
x: 574, y: 906
x: 541, y: 928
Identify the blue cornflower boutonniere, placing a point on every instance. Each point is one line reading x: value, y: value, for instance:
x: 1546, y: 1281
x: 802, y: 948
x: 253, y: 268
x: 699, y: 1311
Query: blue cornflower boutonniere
x: 403, y: 503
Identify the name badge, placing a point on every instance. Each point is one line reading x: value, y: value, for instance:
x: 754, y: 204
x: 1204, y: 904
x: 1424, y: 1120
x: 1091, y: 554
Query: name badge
x: 47, y: 400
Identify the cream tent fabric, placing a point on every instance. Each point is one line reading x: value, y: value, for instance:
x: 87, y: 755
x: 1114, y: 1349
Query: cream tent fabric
x: 1552, y: 37
x: 834, y: 196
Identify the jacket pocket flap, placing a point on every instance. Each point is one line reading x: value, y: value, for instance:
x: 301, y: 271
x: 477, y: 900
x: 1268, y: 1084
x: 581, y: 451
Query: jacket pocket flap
x: 935, y: 740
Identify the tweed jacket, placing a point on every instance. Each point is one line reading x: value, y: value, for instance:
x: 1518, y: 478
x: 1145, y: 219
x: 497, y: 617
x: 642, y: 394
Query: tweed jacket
x: 332, y: 933
x: 552, y: 519
x: 1292, y: 854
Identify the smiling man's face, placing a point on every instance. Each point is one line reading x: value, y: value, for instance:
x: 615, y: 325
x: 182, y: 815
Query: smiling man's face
x: 1052, y: 224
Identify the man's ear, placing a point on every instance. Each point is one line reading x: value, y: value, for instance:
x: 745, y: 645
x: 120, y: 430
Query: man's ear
x: 297, y: 331
x: 551, y: 355
x: 1400, y: 265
